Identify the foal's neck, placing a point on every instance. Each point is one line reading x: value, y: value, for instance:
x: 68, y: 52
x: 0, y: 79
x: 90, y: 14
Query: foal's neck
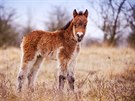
x: 70, y: 29
x: 69, y: 39
x: 68, y: 33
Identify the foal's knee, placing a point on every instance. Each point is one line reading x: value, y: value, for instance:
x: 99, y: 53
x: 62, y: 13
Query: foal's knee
x: 29, y: 76
x: 61, y: 81
x: 71, y: 81
x: 20, y: 82
x: 21, y: 79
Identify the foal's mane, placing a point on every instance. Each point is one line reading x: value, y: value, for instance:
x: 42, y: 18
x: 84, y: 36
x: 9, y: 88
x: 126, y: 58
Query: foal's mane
x: 68, y: 24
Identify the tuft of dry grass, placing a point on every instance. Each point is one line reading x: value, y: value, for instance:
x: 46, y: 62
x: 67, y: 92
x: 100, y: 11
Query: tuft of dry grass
x: 102, y: 74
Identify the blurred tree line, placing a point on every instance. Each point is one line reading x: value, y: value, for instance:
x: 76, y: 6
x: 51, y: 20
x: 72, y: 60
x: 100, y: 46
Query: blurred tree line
x: 58, y: 17
x: 8, y: 33
x: 117, y: 20
x: 131, y: 37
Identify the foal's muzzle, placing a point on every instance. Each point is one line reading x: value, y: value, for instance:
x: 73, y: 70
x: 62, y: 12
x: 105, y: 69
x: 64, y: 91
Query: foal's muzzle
x: 79, y: 36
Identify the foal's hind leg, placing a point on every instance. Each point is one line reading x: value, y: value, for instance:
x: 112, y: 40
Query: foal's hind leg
x: 27, y: 62
x: 33, y: 72
x: 23, y: 73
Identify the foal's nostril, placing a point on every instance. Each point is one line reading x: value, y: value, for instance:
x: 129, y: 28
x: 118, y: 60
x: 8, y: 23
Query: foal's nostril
x: 78, y: 35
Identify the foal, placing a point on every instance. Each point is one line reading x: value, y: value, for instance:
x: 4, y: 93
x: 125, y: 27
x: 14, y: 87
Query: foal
x: 40, y: 44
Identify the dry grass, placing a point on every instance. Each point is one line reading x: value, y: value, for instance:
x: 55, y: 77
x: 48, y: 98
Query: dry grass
x: 102, y: 74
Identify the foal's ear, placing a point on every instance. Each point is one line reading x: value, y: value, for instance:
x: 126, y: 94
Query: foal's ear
x: 86, y: 13
x: 75, y: 13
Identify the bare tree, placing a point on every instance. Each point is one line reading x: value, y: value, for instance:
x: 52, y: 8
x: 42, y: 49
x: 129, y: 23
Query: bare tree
x: 111, y: 13
x: 131, y: 19
x: 29, y: 26
x: 57, y: 18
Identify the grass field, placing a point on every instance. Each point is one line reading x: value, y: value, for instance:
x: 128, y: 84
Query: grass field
x: 102, y: 74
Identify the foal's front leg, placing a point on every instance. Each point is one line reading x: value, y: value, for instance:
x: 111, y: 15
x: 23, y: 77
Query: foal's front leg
x: 62, y: 74
x: 70, y: 74
x: 62, y: 68
x: 66, y: 71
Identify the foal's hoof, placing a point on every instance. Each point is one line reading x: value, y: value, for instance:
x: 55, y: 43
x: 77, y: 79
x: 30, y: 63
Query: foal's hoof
x: 19, y: 88
x: 31, y: 89
x: 71, y: 81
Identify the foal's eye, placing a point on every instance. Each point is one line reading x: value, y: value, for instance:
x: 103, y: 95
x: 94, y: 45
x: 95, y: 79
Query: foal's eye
x: 84, y: 25
x: 75, y: 25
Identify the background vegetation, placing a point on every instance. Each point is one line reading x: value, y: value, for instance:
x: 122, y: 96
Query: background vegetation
x: 117, y: 22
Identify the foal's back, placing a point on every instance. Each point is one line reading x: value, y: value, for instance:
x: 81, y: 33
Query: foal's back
x: 40, y: 41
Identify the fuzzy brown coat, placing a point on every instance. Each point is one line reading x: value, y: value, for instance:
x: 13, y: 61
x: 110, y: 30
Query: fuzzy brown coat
x: 41, y: 44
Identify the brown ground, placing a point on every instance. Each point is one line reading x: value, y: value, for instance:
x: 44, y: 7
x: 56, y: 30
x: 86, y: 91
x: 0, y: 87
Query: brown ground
x: 102, y: 74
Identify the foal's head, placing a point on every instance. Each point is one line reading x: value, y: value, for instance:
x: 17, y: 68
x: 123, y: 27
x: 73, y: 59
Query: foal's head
x: 79, y: 24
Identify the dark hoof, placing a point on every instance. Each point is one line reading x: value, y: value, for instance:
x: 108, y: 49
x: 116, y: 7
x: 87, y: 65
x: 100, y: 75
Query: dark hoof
x: 71, y: 81
x: 61, y: 82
